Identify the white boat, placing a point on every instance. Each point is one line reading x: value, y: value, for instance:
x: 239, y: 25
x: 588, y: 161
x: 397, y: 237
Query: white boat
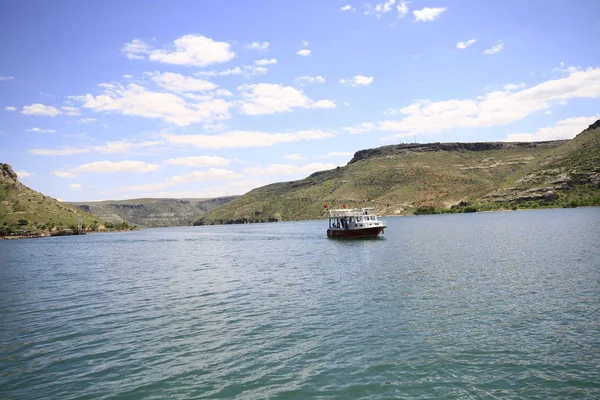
x: 354, y: 223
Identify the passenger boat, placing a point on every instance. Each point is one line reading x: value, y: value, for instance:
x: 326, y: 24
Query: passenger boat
x: 354, y: 223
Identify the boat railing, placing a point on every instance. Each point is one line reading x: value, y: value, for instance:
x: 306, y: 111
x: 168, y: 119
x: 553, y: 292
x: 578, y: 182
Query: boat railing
x: 351, y: 212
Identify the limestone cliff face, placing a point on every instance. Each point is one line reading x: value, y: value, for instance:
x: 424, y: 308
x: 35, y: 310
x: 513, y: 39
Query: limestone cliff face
x: 398, y: 149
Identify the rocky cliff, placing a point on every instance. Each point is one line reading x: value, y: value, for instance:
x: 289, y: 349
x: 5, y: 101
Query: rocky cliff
x: 398, y: 149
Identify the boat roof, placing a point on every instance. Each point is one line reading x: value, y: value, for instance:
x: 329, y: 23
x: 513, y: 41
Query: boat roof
x: 350, y: 212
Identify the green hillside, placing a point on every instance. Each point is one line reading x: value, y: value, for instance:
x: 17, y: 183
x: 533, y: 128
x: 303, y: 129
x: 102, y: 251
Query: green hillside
x: 22, y: 208
x: 149, y: 213
x: 435, y: 177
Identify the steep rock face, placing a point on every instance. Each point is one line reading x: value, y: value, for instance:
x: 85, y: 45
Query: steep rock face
x: 398, y: 149
x: 151, y: 213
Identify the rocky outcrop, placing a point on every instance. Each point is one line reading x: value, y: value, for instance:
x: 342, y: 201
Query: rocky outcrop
x: 399, y: 149
x: 7, y: 173
x: 593, y: 126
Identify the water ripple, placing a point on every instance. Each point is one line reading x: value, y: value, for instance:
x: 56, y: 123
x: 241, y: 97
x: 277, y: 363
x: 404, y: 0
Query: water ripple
x: 492, y: 306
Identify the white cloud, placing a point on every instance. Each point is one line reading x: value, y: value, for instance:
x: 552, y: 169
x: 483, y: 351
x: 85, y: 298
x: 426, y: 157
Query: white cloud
x: 136, y: 100
x: 293, y: 157
x: 402, y: 8
x: 266, y: 61
x: 305, y: 43
x: 464, y: 45
x: 75, y: 186
x: 65, y: 151
x: 40, y: 109
x: 190, y: 50
x: 385, y: 7
x: 229, y: 188
x: 10, y: 108
x: 24, y: 174
x: 107, y: 167
x: 214, y: 127
x: 564, y: 129
x: 258, y: 45
x: 323, y: 104
x: 86, y: 120
x: 136, y: 49
x: 210, y: 175
x: 288, y: 169
x: 494, y: 108
x: 245, y: 139
x: 270, y: 98
x: 40, y: 130
x: 71, y: 111
x: 303, y: 52
x: 246, y: 70
x: 347, y: 8
x: 497, y: 48
x: 180, y: 83
x: 428, y: 14
x: 361, y: 128
x: 309, y: 80
x: 514, y: 86
x: 564, y: 70
x: 120, y: 146
x: 358, y: 80
x: 199, y: 161
x: 6, y: 78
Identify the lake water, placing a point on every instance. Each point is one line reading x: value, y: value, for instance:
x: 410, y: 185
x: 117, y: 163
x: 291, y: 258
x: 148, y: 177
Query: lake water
x: 485, y: 305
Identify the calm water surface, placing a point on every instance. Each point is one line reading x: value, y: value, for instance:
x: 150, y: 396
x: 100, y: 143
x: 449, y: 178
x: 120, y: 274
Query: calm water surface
x: 486, y: 305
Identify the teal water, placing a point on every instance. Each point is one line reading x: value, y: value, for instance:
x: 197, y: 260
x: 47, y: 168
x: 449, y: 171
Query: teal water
x: 472, y: 306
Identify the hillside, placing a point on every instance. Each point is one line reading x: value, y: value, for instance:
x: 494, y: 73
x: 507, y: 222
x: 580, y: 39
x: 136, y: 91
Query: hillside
x: 436, y: 177
x: 149, y: 213
x: 22, y: 208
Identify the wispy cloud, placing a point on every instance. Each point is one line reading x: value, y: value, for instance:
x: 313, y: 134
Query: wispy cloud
x: 497, y: 48
x: 358, y: 80
x: 464, y: 45
x: 107, y: 167
x: 258, y: 45
x: 245, y: 139
x: 40, y: 130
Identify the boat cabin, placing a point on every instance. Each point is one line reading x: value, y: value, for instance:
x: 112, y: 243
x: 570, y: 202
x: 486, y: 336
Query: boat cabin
x: 353, y: 218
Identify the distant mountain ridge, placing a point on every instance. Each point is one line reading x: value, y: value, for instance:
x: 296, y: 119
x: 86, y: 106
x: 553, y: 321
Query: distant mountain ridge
x: 435, y: 177
x: 152, y: 212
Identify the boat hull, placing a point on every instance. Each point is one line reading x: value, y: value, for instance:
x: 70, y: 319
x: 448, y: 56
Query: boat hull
x: 355, y: 233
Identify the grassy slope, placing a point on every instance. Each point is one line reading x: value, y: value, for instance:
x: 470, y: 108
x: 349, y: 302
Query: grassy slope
x: 398, y: 182
x: 18, y: 202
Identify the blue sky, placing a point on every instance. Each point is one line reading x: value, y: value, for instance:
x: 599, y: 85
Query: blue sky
x: 125, y: 99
